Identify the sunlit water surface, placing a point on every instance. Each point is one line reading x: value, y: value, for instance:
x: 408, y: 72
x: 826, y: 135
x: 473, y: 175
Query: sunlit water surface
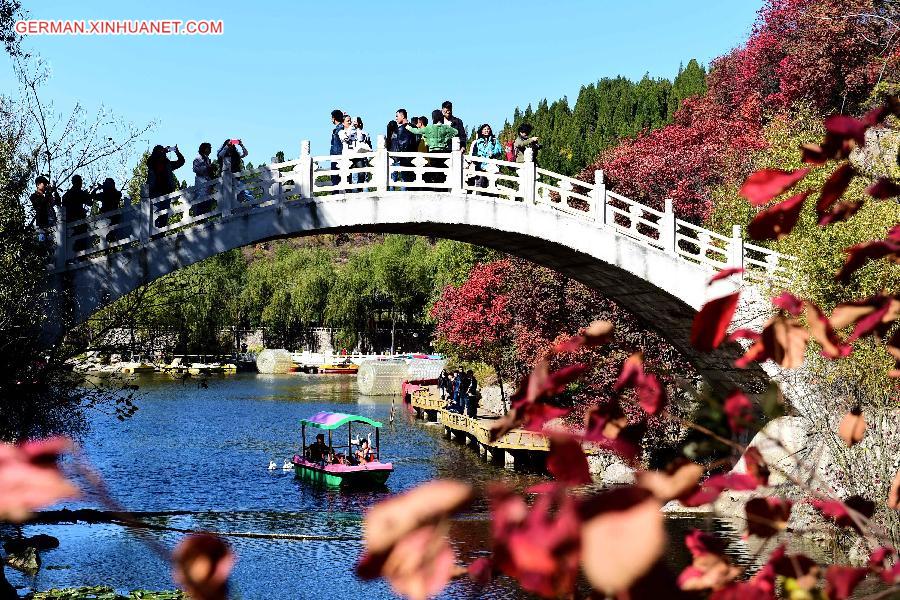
x: 205, y: 452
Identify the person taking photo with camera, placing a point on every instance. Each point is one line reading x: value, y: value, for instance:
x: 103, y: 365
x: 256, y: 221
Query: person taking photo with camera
x: 524, y: 141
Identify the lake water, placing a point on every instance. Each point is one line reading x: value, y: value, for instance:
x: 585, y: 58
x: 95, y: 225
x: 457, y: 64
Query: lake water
x: 203, y: 455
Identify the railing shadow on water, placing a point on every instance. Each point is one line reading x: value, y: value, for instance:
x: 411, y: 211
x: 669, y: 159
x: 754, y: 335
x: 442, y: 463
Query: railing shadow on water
x: 384, y: 173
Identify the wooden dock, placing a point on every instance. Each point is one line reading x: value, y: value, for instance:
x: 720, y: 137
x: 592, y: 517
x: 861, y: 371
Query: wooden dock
x: 518, y: 448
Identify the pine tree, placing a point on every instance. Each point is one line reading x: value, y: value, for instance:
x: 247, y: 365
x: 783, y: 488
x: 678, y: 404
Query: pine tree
x: 691, y: 81
x: 611, y: 109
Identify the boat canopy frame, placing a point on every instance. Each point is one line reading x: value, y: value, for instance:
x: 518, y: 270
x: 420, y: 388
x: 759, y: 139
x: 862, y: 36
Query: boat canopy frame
x: 330, y: 421
x: 333, y: 420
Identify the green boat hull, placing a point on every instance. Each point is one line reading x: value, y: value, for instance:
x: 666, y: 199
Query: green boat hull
x: 372, y: 478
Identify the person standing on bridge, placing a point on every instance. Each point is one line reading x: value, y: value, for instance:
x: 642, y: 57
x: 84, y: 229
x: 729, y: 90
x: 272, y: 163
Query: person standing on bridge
x: 77, y: 201
x: 524, y: 140
x: 363, y: 144
x: 422, y: 145
x: 485, y: 146
x: 402, y: 140
x: 161, y: 178
x: 232, y: 161
x: 337, y: 147
x: 349, y: 142
x: 204, y: 172
x: 438, y: 136
x: 109, y: 200
x: 44, y: 198
x: 455, y: 122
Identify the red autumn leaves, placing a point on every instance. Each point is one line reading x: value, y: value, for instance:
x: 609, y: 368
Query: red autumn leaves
x: 30, y: 477
x: 785, y: 336
x: 843, y: 133
x: 406, y: 538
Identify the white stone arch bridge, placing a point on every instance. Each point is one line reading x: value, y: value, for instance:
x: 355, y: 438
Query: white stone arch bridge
x: 645, y: 259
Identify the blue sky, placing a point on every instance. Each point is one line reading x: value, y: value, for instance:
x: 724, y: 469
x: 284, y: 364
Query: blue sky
x: 281, y: 67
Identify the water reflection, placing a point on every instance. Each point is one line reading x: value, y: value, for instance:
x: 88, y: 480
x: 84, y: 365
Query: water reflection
x: 205, y: 452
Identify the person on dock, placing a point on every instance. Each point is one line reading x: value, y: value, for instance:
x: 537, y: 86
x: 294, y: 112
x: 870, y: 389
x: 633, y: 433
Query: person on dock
x: 442, y: 383
x: 459, y: 390
x: 463, y: 392
x: 472, y: 394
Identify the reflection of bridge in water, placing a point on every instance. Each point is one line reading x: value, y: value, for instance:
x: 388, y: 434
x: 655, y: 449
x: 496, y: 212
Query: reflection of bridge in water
x: 643, y: 258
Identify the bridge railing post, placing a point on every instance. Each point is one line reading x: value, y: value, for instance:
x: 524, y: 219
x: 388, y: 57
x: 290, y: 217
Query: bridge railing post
x: 226, y: 201
x: 598, y: 197
x: 737, y: 249
x: 455, y: 175
x: 304, y: 171
x: 667, y: 228
x: 380, y: 166
x: 61, y: 238
x: 144, y: 216
x: 528, y: 178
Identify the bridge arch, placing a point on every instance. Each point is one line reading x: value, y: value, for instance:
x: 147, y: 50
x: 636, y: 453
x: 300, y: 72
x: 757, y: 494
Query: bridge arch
x: 648, y: 261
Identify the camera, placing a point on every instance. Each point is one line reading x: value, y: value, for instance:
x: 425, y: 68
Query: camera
x: 170, y: 148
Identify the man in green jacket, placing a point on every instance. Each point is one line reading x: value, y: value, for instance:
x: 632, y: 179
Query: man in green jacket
x: 439, y: 137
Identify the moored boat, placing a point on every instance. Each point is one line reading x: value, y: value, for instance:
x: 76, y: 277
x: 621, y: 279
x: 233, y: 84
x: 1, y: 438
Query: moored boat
x: 343, y: 367
x: 336, y: 469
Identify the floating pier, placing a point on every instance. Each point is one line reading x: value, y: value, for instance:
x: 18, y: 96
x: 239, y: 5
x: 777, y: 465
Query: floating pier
x: 518, y: 449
